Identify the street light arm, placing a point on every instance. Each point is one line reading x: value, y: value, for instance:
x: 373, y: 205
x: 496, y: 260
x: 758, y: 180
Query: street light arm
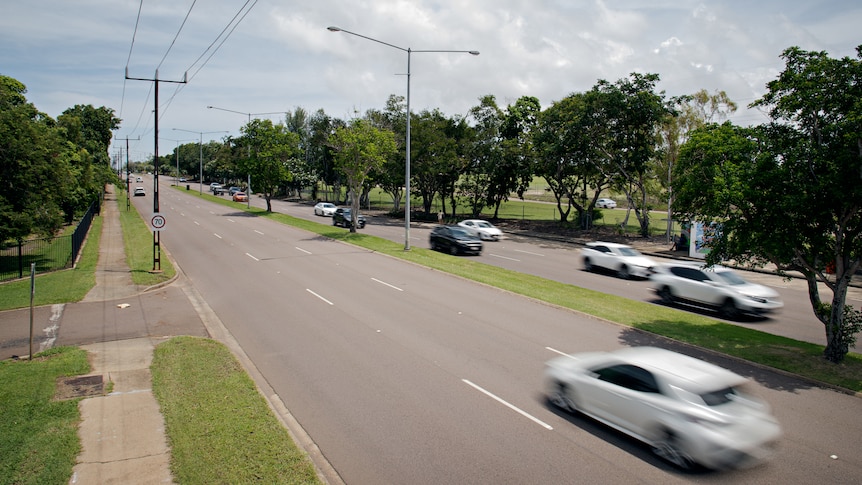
x: 339, y: 29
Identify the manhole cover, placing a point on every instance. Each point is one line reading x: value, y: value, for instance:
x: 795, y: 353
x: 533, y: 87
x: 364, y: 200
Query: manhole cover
x: 82, y: 386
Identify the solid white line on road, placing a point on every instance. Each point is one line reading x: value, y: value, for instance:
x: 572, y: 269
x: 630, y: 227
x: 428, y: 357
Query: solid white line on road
x: 216, y: 235
x: 258, y: 232
x: 510, y: 406
x: 197, y: 223
x: 387, y: 284
x: 252, y: 257
x: 322, y: 298
x: 230, y: 220
x: 528, y: 252
x: 504, y: 257
x: 303, y: 250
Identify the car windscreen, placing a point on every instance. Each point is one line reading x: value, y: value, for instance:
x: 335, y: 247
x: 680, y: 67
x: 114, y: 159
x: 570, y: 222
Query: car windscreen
x: 629, y: 252
x: 458, y: 232
x: 729, y: 278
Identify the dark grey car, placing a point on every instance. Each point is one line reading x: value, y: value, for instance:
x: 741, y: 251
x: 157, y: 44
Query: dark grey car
x: 454, y: 240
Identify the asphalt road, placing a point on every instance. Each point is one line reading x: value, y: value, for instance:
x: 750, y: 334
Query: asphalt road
x: 561, y: 262
x: 403, y: 374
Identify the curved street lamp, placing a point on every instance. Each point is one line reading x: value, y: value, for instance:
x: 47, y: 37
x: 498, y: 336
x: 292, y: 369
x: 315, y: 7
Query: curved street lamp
x: 201, y: 147
x: 409, y: 51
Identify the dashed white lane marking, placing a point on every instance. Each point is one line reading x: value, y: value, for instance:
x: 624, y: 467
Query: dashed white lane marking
x: 508, y: 405
x: 387, y: 284
x: 322, y: 298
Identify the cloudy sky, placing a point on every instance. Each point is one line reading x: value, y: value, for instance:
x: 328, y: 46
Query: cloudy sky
x: 261, y: 57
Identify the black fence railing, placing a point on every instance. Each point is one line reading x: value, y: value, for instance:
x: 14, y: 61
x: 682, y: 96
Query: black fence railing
x: 49, y: 254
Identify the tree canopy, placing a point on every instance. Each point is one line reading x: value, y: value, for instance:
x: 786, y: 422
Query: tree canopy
x: 789, y: 192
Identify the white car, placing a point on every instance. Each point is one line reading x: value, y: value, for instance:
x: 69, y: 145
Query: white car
x: 606, y: 204
x: 324, y: 209
x: 692, y: 413
x: 484, y: 230
x: 139, y: 192
x: 623, y: 260
x: 716, y: 287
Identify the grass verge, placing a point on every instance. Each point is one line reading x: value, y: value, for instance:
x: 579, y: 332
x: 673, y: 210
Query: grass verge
x: 138, y: 241
x: 801, y: 358
x: 59, y: 286
x: 38, y: 435
x: 219, y: 426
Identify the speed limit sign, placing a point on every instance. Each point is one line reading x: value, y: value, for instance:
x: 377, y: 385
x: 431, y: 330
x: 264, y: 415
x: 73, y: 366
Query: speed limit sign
x: 158, y: 222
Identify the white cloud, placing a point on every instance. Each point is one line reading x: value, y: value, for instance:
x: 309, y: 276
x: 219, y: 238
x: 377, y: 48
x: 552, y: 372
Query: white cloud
x: 282, y: 56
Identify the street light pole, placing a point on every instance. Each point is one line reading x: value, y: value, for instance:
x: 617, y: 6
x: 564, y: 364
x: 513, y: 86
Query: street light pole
x: 201, y: 146
x: 409, y: 51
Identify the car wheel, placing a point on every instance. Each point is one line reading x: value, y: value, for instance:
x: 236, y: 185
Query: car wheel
x: 728, y: 309
x: 453, y: 250
x: 623, y: 272
x: 588, y: 265
x: 560, y: 397
x: 666, y: 295
x: 669, y: 448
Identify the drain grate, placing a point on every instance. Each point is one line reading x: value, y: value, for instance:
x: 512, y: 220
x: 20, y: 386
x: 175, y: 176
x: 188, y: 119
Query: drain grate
x: 81, y: 386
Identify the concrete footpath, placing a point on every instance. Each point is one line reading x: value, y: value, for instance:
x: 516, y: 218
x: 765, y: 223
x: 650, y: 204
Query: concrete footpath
x: 122, y: 433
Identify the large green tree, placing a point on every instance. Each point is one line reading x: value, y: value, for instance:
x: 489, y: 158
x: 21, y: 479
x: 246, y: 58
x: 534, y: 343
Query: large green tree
x: 789, y: 192
x: 630, y: 112
x: 269, y: 150
x: 360, y: 148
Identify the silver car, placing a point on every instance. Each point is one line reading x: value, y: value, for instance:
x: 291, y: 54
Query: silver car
x: 623, y: 260
x: 690, y: 412
x: 716, y: 287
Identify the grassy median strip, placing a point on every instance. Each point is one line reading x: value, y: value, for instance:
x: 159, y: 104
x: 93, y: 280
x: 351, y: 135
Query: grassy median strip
x: 219, y: 427
x: 39, y: 435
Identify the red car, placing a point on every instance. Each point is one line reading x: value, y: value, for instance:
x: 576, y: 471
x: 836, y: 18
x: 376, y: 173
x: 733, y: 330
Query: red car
x: 240, y: 197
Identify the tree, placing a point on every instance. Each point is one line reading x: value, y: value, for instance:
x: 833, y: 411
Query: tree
x: 630, y: 111
x: 359, y: 149
x: 789, y: 192
x: 434, y: 158
x: 692, y: 112
x: 272, y: 148
x: 34, y: 166
x: 390, y: 177
x: 566, y: 144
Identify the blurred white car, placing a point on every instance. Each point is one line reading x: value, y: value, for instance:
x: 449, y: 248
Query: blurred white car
x: 716, y: 287
x: 606, y: 204
x: 623, y: 260
x: 484, y: 230
x: 324, y: 209
x: 139, y: 192
x: 692, y: 413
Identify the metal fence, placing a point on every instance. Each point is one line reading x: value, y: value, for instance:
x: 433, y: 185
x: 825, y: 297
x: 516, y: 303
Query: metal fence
x: 49, y: 254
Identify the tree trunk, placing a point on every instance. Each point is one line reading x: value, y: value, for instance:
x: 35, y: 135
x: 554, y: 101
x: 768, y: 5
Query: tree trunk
x: 837, y: 338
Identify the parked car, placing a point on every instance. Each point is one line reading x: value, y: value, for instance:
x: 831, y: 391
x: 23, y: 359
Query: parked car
x: 606, y: 204
x: 689, y: 411
x: 139, y: 192
x: 182, y: 179
x: 214, y: 187
x: 343, y: 217
x: 324, y: 209
x: 716, y: 287
x: 623, y: 260
x: 484, y: 230
x: 454, y: 240
x: 240, y: 197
